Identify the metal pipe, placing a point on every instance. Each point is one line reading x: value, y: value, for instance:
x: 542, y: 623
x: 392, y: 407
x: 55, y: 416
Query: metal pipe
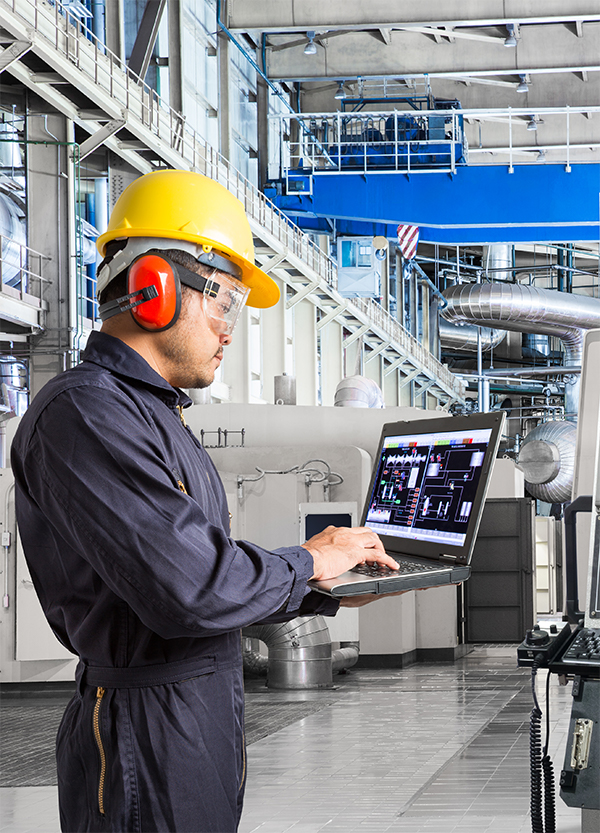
x: 523, y: 308
x: 300, y: 655
x: 464, y: 336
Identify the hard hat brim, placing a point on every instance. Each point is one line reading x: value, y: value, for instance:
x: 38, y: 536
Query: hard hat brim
x: 264, y: 291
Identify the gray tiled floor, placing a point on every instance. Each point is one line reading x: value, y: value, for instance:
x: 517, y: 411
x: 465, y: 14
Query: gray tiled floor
x: 428, y: 749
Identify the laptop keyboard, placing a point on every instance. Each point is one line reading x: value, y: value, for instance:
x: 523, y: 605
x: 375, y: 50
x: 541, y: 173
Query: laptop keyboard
x: 381, y: 570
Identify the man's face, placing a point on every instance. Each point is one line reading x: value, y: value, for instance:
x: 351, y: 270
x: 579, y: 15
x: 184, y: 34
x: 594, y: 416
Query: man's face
x: 192, y: 350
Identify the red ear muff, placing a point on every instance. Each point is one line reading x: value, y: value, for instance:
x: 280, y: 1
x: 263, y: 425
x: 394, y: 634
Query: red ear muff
x: 161, y: 311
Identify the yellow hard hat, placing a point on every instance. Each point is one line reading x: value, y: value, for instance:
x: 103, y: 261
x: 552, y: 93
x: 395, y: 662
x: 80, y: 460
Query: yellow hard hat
x: 187, y: 206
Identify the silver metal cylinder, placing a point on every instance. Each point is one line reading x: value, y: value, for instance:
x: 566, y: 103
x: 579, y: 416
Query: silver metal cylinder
x: 299, y: 653
x: 285, y: 390
x: 358, y: 392
x: 547, y: 459
x: 498, y: 261
x: 527, y: 309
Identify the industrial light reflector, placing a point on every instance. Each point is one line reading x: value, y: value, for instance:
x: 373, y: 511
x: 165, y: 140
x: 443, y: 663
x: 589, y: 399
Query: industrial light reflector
x: 311, y: 46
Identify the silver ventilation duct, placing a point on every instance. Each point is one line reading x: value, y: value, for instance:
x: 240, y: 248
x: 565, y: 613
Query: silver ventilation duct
x: 464, y: 337
x: 526, y: 309
x: 498, y: 261
x: 300, y: 654
x: 358, y: 392
x: 547, y: 460
x: 13, y: 240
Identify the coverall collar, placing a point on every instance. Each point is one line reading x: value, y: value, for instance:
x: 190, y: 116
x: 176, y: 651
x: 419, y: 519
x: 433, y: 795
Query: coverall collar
x: 116, y: 356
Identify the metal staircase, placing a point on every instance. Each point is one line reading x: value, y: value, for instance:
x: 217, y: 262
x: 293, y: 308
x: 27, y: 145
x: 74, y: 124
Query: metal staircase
x: 129, y: 118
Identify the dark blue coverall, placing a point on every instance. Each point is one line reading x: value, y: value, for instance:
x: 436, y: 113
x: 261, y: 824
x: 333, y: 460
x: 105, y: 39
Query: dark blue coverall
x: 125, y: 528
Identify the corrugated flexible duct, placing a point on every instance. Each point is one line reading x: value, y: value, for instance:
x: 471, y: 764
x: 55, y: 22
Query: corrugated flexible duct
x: 300, y: 654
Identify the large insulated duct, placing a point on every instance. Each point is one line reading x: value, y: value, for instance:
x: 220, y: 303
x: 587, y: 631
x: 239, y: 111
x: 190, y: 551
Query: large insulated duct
x: 12, y: 234
x: 498, y: 261
x: 547, y: 460
x: 358, y: 392
x: 464, y: 337
x: 527, y: 309
x: 300, y: 654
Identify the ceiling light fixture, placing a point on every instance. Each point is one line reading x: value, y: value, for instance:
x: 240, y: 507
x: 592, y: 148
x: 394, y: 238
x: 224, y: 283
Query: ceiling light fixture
x: 311, y: 46
x: 523, y: 86
x: 532, y: 124
x: 511, y: 39
x: 340, y: 92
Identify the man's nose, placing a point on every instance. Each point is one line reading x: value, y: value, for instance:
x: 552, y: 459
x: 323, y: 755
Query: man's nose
x: 225, y: 338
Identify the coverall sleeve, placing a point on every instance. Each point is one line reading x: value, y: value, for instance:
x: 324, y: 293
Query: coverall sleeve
x: 97, y: 468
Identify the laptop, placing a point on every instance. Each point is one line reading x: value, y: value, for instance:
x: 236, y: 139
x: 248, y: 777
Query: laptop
x: 425, y: 501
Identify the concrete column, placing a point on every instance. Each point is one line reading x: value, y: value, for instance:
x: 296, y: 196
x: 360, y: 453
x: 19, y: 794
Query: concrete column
x: 262, y: 105
x: 385, y: 284
x: 413, y: 303
x: 273, y: 345
x: 236, y: 364
x: 48, y: 223
x: 400, y: 289
x: 115, y: 28
x: 404, y: 392
x: 223, y: 47
x: 332, y: 369
x: 175, y: 68
x: 373, y: 370
x: 390, y: 390
x: 305, y: 352
x: 425, y: 302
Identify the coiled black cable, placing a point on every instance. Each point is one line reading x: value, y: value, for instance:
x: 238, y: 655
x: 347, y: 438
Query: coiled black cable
x: 548, y: 770
x: 540, y: 765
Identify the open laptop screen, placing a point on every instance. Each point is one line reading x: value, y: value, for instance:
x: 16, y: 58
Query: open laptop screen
x: 429, y: 483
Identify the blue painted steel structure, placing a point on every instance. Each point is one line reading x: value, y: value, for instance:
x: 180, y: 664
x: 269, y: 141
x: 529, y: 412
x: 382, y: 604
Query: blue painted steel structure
x: 480, y: 204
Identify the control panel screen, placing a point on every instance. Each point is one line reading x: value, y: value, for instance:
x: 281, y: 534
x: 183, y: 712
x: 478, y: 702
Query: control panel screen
x: 426, y: 485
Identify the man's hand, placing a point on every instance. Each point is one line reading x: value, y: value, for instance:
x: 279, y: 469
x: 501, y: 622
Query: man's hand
x: 338, y: 549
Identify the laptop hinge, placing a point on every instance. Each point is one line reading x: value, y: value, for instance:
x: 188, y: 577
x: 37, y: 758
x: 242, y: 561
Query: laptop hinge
x: 449, y: 558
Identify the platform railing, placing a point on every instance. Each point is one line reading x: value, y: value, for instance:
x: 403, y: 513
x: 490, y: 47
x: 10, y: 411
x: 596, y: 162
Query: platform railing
x: 411, y: 141
x: 120, y: 89
x: 21, y: 271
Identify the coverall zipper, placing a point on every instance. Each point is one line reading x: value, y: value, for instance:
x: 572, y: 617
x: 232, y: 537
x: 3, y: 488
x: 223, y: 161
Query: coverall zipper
x: 99, y: 695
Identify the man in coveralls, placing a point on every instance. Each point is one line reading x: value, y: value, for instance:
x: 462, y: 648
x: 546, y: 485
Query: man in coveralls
x: 125, y: 525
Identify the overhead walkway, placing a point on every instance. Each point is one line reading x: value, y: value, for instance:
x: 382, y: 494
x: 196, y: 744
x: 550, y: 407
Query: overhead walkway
x: 128, y: 117
x: 372, y: 171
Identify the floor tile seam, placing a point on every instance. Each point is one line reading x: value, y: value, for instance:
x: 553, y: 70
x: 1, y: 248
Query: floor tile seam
x: 404, y: 809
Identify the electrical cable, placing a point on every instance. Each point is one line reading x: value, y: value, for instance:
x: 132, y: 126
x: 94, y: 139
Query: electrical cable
x: 540, y: 765
x: 535, y: 764
x: 548, y: 772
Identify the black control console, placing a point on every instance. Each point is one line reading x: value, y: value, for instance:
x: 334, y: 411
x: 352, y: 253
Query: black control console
x: 543, y: 647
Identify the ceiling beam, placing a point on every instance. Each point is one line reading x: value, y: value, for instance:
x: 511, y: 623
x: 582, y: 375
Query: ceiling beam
x: 286, y: 16
x: 412, y: 54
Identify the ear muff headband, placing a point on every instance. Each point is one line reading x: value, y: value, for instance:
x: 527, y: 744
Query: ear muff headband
x: 154, y: 287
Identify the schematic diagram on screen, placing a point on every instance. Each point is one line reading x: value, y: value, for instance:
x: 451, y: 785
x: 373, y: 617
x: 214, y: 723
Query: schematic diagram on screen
x: 429, y: 484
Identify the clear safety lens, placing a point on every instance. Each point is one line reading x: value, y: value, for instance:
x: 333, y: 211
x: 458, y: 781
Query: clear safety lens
x: 224, y: 306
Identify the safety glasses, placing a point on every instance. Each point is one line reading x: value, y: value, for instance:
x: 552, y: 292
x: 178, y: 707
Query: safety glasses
x: 224, y: 299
